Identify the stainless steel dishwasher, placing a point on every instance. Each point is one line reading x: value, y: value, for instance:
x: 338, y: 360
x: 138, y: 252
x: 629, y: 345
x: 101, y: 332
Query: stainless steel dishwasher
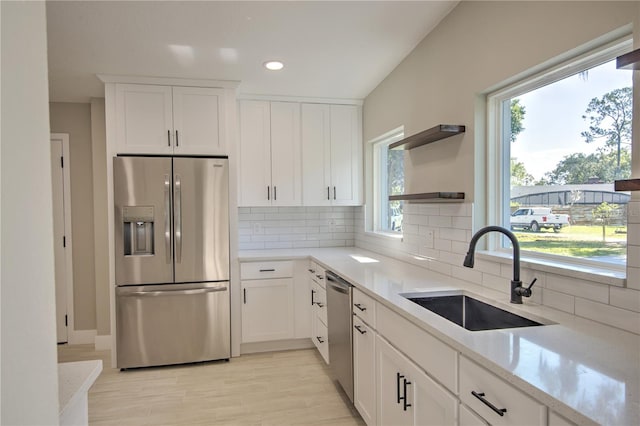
x: 339, y: 321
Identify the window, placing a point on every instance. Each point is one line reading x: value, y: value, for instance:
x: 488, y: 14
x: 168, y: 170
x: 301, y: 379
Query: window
x: 557, y: 142
x: 388, y: 177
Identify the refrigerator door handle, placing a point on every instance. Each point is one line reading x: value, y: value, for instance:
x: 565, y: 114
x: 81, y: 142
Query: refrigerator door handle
x: 178, y: 217
x: 167, y: 218
x: 173, y: 292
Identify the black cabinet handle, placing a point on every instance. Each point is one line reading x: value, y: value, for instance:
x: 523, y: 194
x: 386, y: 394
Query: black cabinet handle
x: 405, y: 404
x: 267, y: 270
x: 319, y: 339
x: 398, y: 377
x: 334, y: 192
x: 312, y: 271
x: 328, y: 193
x: 275, y: 194
x: 168, y: 137
x: 359, y: 306
x: 320, y: 305
x: 177, y: 140
x: 312, y: 293
x: 268, y: 192
x: 244, y: 295
x: 480, y: 396
x: 320, y: 277
x: 357, y: 327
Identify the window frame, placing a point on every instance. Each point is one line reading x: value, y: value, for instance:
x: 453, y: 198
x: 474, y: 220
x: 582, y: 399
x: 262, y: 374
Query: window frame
x: 497, y: 161
x: 376, y: 192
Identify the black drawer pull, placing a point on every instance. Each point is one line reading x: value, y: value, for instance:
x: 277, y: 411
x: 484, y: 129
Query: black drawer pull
x: 359, y: 306
x: 319, y: 339
x: 320, y: 305
x: 320, y: 277
x: 267, y: 270
x: 398, y: 377
x: 357, y: 327
x: 480, y: 396
x: 312, y: 271
x: 405, y: 404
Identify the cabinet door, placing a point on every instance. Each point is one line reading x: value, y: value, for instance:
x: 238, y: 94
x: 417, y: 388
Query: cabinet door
x: 469, y: 418
x: 316, y: 153
x: 364, y: 371
x: 286, y: 160
x: 198, y: 120
x: 267, y: 310
x: 406, y: 395
x: 302, y: 299
x: 255, y: 154
x: 346, y: 155
x: 144, y: 123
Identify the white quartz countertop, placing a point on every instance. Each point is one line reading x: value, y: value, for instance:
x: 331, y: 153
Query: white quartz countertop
x: 74, y: 380
x: 585, y: 371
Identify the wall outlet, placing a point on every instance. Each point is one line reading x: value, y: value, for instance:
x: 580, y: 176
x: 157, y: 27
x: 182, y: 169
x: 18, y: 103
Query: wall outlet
x: 429, y: 239
x: 257, y: 229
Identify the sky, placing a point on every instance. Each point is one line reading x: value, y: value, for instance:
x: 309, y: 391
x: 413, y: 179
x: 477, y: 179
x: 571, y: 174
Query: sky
x: 553, y: 117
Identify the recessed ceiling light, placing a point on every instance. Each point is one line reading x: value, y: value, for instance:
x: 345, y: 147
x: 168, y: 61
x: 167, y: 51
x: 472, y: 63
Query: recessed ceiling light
x: 274, y: 65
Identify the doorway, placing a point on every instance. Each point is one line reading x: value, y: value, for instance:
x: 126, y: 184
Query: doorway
x: 61, y: 197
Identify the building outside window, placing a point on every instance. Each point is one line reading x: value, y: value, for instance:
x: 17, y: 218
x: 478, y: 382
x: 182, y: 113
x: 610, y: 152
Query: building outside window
x: 558, y: 141
x: 388, y: 175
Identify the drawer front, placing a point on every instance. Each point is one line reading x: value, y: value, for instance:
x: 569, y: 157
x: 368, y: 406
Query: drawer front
x: 320, y: 303
x: 520, y: 408
x: 433, y: 356
x: 321, y: 338
x: 316, y: 273
x: 364, y: 307
x: 266, y: 270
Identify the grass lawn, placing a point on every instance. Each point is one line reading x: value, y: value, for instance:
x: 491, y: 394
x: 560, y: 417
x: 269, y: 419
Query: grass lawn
x: 576, y: 240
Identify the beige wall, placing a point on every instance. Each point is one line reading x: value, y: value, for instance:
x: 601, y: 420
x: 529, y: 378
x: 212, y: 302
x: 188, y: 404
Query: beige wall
x: 477, y: 46
x: 75, y: 119
x: 29, y: 374
x: 100, y: 233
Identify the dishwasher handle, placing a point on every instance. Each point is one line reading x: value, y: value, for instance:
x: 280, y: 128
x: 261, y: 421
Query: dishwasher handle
x: 338, y: 284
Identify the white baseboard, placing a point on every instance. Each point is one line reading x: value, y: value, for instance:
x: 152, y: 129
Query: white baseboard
x: 81, y: 337
x: 103, y: 342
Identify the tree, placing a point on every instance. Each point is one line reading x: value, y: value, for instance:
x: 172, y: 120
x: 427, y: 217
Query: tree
x: 519, y: 174
x: 604, y: 213
x: 517, y: 117
x: 609, y: 118
x: 579, y: 168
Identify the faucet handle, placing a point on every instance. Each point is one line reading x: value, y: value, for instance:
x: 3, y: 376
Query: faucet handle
x: 526, y: 292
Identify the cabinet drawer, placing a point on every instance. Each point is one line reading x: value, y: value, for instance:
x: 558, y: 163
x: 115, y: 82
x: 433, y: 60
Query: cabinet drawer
x: 321, y: 338
x: 316, y: 273
x: 521, y: 409
x: 266, y: 270
x: 433, y: 356
x: 364, y: 307
x: 320, y: 303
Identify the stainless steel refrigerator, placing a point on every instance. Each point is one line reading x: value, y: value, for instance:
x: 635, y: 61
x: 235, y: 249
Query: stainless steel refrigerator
x: 171, y: 260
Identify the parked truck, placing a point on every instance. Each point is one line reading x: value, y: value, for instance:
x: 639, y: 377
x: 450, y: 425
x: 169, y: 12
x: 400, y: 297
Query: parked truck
x: 536, y: 218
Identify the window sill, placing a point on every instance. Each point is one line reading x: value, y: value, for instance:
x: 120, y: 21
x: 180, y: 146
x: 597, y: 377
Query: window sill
x: 596, y: 273
x: 384, y: 235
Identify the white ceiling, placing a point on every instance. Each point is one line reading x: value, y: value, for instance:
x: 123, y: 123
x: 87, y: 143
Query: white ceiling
x: 331, y: 49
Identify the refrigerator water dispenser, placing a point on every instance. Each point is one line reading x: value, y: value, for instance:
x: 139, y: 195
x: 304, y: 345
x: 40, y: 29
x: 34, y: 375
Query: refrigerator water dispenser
x: 138, y: 230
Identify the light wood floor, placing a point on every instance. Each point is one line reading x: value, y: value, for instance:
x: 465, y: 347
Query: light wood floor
x: 276, y: 388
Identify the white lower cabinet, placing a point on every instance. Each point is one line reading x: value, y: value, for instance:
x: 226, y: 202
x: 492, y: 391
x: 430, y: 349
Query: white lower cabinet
x: 406, y: 395
x: 466, y: 417
x: 364, y: 370
x: 498, y: 402
x: 267, y: 310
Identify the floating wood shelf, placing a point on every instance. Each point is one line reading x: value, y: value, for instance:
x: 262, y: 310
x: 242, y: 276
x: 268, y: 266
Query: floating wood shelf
x: 430, y: 197
x: 627, y: 185
x: 629, y: 61
x: 441, y: 131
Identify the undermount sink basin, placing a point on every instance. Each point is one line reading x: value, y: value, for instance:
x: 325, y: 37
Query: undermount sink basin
x: 470, y: 313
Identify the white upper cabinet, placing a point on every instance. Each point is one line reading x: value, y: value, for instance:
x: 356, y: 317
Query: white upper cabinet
x: 331, y: 154
x: 270, y: 158
x: 154, y: 119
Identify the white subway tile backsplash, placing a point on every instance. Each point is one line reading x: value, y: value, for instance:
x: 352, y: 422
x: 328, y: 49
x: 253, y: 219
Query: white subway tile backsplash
x: 496, y: 283
x: 559, y: 301
x: 617, y: 317
x: 439, y: 221
x: 625, y: 298
x: 576, y: 287
x: 454, y: 234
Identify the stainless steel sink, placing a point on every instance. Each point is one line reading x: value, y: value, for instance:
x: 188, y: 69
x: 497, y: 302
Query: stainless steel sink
x: 470, y: 313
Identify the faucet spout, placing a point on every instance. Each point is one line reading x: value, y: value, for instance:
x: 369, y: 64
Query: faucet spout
x: 516, y: 284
